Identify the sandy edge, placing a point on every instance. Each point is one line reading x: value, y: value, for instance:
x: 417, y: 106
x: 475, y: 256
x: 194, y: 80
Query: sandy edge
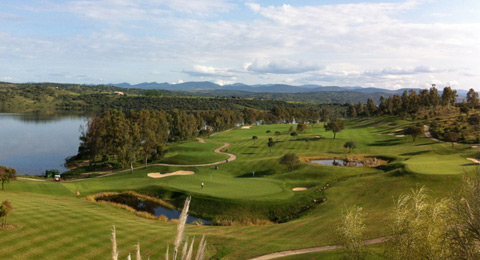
x: 473, y: 160
x: 299, y: 188
x: 246, y: 127
x: 159, y: 175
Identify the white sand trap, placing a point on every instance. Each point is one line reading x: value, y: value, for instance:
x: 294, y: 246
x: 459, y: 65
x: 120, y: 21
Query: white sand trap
x: 159, y: 175
x: 299, y: 188
x: 399, y: 135
x: 473, y: 160
x: 246, y: 127
x: 317, y: 136
x: 475, y: 147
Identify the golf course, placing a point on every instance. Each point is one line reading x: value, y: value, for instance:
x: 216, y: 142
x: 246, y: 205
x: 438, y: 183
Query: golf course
x: 256, y: 205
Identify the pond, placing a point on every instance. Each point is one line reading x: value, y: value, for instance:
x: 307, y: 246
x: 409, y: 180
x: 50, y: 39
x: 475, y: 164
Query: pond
x: 338, y: 162
x: 354, y: 161
x: 149, y: 206
x: 33, y: 143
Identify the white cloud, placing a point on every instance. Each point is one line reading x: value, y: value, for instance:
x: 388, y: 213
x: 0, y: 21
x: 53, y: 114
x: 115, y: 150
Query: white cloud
x: 282, y: 66
x: 8, y: 16
x: 402, y: 71
x: 7, y: 78
x: 198, y: 7
x: 382, y: 43
x: 202, y: 71
x: 117, y: 11
x: 223, y: 82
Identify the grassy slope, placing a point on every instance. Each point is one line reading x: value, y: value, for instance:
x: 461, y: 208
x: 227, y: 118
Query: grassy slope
x: 193, y: 153
x: 60, y: 218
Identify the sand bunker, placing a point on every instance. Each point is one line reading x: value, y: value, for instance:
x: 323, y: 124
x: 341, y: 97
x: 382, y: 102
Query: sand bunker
x: 299, y: 188
x: 399, y: 135
x: 473, y: 160
x: 246, y: 127
x: 160, y: 175
x: 475, y: 147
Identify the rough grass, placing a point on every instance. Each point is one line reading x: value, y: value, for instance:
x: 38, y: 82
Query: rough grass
x: 49, y: 215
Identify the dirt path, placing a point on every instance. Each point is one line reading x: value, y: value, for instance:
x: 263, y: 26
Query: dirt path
x: 201, y: 140
x: 314, y: 249
x: 231, y: 157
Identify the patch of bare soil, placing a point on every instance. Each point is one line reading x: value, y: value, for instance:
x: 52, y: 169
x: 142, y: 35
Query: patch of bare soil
x: 8, y: 226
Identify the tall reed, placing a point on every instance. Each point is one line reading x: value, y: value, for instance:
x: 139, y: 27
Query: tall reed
x: 187, y: 250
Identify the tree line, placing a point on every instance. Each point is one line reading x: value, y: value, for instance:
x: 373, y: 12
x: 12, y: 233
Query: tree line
x: 98, y: 98
x: 143, y: 134
x: 411, y: 102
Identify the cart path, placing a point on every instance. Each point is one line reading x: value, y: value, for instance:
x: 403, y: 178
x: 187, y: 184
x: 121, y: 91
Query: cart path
x: 231, y: 157
x: 426, y: 130
x: 29, y: 179
x: 315, y: 249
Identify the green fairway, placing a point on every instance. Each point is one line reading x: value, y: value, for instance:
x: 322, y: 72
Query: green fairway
x: 54, y: 223
x: 193, y: 153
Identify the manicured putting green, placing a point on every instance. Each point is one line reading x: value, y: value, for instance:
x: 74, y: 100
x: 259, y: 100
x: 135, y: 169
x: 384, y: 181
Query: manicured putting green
x: 439, y: 164
x: 222, y: 186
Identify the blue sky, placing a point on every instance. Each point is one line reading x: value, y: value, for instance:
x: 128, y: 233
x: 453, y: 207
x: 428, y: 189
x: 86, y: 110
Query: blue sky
x: 388, y: 44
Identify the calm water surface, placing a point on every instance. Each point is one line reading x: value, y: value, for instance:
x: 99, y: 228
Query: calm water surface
x: 337, y: 162
x: 32, y: 143
x: 150, y: 207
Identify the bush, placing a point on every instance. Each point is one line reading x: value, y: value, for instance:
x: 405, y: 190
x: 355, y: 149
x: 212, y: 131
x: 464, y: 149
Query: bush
x: 290, y: 160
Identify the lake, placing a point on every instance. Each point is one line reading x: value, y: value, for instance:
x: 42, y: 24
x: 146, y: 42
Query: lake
x: 33, y: 143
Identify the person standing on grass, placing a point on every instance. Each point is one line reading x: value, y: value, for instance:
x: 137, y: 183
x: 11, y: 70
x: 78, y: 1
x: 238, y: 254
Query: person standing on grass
x: 203, y: 184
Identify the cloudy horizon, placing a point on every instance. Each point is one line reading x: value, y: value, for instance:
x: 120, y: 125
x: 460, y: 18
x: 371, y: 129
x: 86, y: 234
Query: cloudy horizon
x: 385, y: 44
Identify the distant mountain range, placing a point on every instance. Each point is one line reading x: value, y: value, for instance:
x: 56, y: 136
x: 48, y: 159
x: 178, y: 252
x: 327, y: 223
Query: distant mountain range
x: 310, y: 93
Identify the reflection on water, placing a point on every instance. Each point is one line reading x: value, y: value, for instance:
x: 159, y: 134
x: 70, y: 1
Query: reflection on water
x: 33, y: 143
x: 337, y: 162
x: 149, y: 206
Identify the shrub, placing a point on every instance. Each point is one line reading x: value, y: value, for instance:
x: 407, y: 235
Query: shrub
x: 290, y: 160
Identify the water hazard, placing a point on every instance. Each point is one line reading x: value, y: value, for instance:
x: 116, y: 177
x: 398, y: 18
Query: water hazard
x: 357, y: 161
x: 152, y: 207
x: 338, y: 162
